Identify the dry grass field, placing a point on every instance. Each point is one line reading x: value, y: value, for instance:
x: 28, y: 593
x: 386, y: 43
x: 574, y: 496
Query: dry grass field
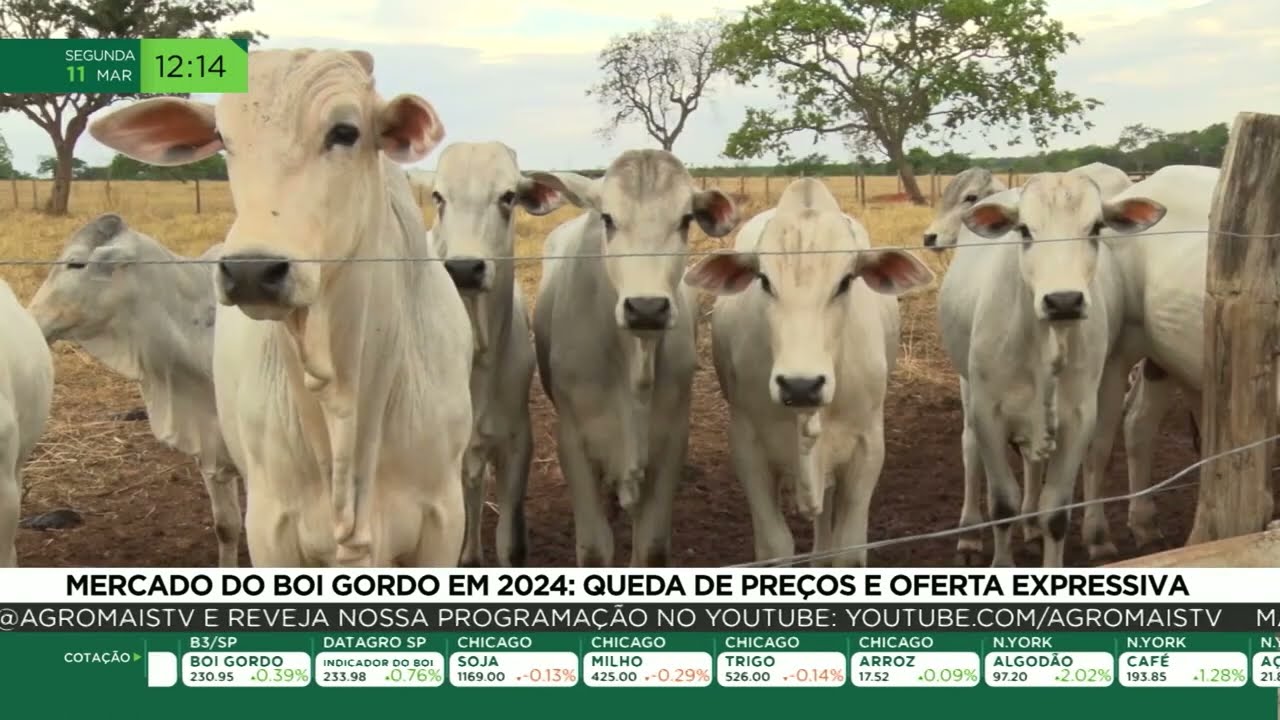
x: 144, y: 505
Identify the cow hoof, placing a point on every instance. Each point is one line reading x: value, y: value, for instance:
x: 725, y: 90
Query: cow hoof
x: 1273, y: 525
x: 1103, y: 551
x: 968, y: 558
x: 1147, y: 536
x: 470, y: 563
x: 53, y: 520
x: 134, y: 415
x: 1034, y: 546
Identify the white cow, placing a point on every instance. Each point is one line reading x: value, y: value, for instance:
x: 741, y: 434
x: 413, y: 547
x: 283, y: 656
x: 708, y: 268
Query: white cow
x: 970, y: 186
x: 151, y: 323
x: 477, y: 189
x: 803, y: 357
x: 1029, y: 324
x: 962, y: 193
x: 614, y: 330
x: 26, y: 394
x: 1164, y: 280
x: 341, y: 386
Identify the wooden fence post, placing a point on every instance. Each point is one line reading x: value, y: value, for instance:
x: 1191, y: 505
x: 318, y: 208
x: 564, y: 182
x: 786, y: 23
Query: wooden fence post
x: 766, y: 190
x: 14, y: 181
x: 1240, y: 329
x: 35, y: 200
x: 198, y: 196
x: 862, y: 187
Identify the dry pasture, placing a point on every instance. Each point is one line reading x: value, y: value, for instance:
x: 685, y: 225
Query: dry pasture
x: 144, y: 505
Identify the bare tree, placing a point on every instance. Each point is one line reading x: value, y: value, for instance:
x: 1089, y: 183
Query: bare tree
x: 65, y: 116
x: 657, y: 77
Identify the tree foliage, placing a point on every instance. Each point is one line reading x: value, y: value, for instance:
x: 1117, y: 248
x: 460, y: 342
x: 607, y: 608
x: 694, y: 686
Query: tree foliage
x: 657, y: 77
x: 882, y: 73
x: 65, y: 116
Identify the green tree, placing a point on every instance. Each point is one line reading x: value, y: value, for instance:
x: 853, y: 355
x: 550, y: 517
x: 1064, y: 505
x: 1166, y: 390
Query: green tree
x: 6, y: 159
x: 887, y: 71
x: 49, y: 165
x: 65, y: 117
x: 657, y: 77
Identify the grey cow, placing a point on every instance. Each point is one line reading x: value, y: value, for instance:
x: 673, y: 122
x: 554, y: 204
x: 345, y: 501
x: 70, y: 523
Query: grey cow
x: 151, y: 323
x: 614, y: 330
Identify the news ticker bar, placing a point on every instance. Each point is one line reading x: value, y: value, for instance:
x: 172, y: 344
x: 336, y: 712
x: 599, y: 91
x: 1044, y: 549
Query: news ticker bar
x: 726, y: 660
x: 655, y: 617
x: 125, y: 66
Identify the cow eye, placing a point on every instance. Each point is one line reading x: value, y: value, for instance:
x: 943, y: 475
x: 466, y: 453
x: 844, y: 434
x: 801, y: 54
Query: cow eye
x: 1097, y: 229
x: 508, y: 198
x: 1025, y: 232
x: 344, y: 134
x: 764, y: 284
x: 843, y: 287
x: 607, y: 219
x: 686, y: 221
x: 971, y: 198
x: 437, y: 198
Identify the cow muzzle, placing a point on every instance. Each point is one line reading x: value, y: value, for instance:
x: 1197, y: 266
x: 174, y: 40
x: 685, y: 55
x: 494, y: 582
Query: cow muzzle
x: 647, y: 312
x: 469, y: 274
x: 801, y: 391
x: 1063, y: 305
x: 254, y: 279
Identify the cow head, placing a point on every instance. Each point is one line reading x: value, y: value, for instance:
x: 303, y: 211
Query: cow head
x: 805, y: 295
x: 1048, y: 214
x: 477, y: 188
x: 963, y: 192
x: 644, y: 206
x: 304, y: 149
x: 93, y: 284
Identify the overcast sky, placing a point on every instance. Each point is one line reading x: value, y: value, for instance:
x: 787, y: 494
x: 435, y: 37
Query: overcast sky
x: 516, y: 70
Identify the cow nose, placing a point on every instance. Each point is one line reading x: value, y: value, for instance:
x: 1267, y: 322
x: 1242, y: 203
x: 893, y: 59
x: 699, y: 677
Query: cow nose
x: 800, y: 390
x: 1064, y: 305
x: 930, y: 239
x: 467, y: 273
x: 253, y: 279
x: 646, y: 312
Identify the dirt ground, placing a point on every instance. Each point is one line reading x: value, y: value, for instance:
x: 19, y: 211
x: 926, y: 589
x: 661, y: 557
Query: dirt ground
x: 144, y: 506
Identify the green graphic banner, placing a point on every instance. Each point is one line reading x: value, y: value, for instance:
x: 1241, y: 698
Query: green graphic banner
x: 125, y: 66
x: 1068, y: 676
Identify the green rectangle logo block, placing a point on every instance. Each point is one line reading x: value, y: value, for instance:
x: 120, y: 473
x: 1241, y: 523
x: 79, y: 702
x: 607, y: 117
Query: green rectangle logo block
x: 195, y: 65
x: 70, y: 66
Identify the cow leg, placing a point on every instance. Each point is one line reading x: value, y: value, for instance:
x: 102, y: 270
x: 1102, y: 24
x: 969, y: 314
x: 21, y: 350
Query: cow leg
x: 824, y: 527
x: 1096, y: 530
x: 271, y: 534
x: 10, y: 487
x: 593, y: 536
x: 1151, y: 400
x: 1003, y: 493
x: 224, y: 502
x: 1060, y: 478
x: 442, y: 527
x: 769, y: 526
x: 651, y: 526
x: 1033, y: 482
x: 969, y: 547
x: 473, y: 487
x: 512, y: 472
x: 853, y: 502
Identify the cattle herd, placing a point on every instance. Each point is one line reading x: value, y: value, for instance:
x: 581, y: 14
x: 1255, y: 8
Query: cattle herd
x: 363, y: 402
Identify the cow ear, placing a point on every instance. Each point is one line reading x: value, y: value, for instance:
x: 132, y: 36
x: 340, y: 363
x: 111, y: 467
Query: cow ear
x: 107, y: 259
x: 581, y: 191
x: 724, y: 273
x: 161, y: 131
x: 1132, y: 214
x: 537, y: 197
x: 892, y: 272
x: 716, y: 213
x: 409, y: 128
x: 991, y: 220
x: 364, y: 58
